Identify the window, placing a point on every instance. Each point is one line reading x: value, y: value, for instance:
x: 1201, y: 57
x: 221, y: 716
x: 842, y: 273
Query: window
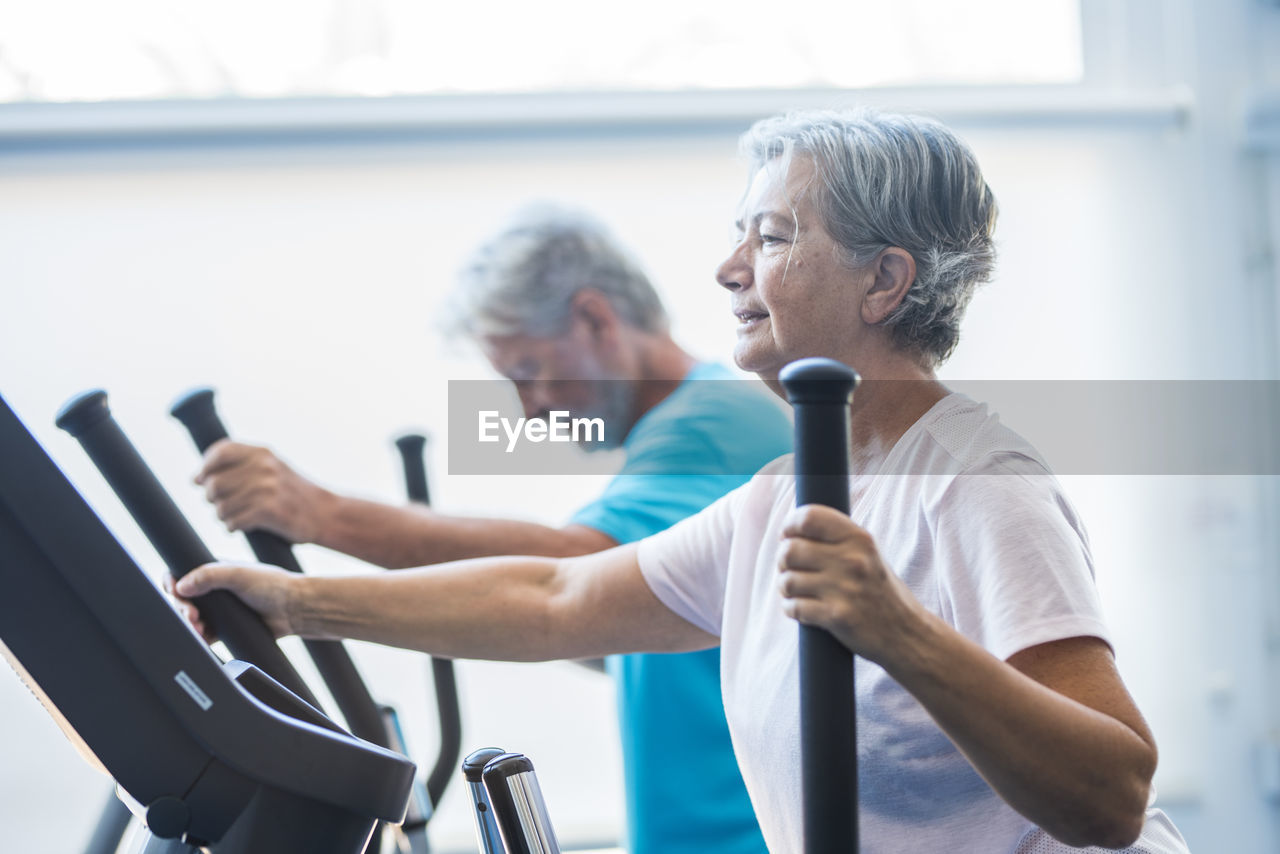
x: 81, y: 50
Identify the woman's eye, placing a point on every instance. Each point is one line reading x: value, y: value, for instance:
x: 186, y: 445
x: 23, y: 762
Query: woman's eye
x: 768, y: 239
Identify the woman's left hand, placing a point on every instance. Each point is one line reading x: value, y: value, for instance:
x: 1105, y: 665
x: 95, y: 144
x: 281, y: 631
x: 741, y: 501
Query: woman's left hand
x: 831, y: 575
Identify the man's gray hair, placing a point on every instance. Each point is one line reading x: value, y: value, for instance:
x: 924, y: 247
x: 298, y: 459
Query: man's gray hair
x: 886, y: 180
x: 522, y: 281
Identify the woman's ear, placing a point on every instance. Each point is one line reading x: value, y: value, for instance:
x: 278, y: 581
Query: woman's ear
x: 895, y: 271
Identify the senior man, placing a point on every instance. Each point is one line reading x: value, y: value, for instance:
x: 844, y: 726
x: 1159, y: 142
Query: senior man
x: 550, y: 298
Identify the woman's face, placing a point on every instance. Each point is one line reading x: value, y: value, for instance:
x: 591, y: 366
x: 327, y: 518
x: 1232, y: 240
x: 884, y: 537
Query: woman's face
x: 791, y: 294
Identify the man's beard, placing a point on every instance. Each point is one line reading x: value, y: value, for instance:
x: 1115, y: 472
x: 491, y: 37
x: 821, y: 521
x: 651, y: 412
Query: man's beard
x: 613, y: 402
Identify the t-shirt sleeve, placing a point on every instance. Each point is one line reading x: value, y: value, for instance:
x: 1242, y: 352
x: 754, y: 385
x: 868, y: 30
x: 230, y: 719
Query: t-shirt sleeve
x: 678, y: 464
x: 1014, y: 568
x: 686, y: 565
x: 633, y: 506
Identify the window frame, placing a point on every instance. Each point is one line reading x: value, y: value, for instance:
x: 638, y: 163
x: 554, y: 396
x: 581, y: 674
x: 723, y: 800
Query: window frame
x: 1125, y: 83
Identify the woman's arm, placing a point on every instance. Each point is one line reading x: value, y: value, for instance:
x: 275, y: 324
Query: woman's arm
x: 1052, y: 730
x: 510, y: 609
x: 1063, y: 744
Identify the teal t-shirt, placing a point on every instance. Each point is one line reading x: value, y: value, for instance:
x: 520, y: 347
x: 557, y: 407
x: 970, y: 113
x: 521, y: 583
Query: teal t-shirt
x: 684, y: 792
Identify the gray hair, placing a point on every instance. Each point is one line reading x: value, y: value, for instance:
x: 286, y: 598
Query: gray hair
x: 894, y: 180
x: 522, y: 281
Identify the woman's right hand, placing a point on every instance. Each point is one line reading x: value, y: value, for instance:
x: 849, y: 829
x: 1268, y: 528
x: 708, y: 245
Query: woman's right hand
x: 269, y: 590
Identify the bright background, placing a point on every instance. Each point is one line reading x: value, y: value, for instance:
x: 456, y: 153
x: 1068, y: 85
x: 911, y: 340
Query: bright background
x: 290, y: 249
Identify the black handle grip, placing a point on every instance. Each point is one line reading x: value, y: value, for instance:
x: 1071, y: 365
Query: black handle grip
x: 88, y: 418
x: 820, y: 391
x: 199, y: 414
x: 473, y: 765
x: 412, y: 447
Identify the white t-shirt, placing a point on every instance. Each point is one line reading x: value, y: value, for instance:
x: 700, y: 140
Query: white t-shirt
x: 968, y: 515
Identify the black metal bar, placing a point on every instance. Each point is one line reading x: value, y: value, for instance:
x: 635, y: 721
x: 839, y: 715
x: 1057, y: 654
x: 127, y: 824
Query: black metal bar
x: 412, y: 447
x: 88, y: 418
x: 220, y: 753
x: 198, y: 413
x: 820, y: 391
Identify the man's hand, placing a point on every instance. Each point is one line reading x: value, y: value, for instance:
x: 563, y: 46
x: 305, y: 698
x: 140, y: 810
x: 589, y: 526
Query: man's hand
x: 253, y: 489
x: 269, y: 590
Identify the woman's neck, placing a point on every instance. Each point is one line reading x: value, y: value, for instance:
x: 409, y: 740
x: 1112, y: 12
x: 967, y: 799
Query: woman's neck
x: 888, y: 400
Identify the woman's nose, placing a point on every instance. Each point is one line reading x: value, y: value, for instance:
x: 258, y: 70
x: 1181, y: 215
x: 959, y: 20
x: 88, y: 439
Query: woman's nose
x: 734, y: 272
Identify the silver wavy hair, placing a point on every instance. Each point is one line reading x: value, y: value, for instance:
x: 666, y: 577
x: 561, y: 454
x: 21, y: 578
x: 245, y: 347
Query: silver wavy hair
x: 884, y: 180
x: 522, y: 280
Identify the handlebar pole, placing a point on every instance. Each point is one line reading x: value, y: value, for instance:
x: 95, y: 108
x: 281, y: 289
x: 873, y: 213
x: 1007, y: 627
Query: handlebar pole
x: 88, y: 418
x: 820, y: 391
x: 412, y: 447
x: 198, y: 413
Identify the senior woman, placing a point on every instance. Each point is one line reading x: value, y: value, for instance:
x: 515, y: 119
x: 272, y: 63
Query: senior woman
x: 991, y: 716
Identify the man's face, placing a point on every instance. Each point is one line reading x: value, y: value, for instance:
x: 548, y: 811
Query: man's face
x: 567, y: 372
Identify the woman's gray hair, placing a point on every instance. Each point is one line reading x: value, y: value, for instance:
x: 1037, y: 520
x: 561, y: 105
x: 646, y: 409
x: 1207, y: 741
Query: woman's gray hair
x: 886, y: 180
x: 522, y: 281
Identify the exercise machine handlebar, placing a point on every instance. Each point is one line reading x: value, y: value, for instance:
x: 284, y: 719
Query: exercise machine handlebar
x: 198, y: 413
x: 412, y: 447
x: 212, y: 753
x: 488, y: 837
x: 88, y: 419
x: 820, y: 391
x: 518, y: 805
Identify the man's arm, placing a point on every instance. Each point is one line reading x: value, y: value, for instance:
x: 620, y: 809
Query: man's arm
x: 252, y: 488
x: 506, y: 609
x: 400, y: 537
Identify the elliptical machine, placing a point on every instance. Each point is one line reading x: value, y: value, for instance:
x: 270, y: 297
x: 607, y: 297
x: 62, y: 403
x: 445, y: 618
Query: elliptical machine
x: 219, y: 757
x: 88, y: 418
